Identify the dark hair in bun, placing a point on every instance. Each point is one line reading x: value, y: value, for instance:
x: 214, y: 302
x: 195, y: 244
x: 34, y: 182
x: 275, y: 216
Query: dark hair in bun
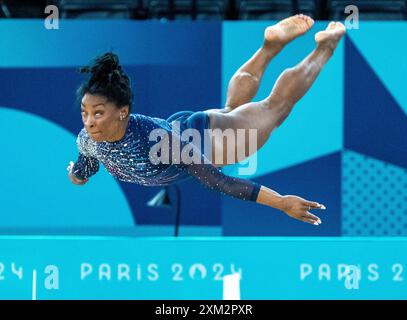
x: 107, y: 79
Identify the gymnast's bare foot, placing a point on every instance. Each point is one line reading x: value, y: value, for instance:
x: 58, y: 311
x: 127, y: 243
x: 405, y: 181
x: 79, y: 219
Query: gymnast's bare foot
x: 278, y: 35
x: 330, y: 37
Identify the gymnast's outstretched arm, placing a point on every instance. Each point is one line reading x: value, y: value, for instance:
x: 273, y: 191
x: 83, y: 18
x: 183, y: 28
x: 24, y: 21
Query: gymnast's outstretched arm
x: 293, y: 206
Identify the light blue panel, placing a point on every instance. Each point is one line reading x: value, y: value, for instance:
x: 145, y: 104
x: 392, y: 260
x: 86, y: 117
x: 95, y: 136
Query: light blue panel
x: 374, y: 197
x: 137, y: 43
x: 186, y: 268
x: 314, y: 127
x: 35, y: 190
x: 384, y: 47
x: 184, y: 231
x: 133, y: 231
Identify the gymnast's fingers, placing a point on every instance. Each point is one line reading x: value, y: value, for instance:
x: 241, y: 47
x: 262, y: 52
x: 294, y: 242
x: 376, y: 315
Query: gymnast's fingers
x: 311, y: 221
x: 70, y: 166
x: 310, y: 216
x: 314, y: 205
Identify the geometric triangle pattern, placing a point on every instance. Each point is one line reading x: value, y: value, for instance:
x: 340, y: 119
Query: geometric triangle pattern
x: 373, y: 187
x: 374, y: 197
x: 374, y: 123
x: 386, y: 60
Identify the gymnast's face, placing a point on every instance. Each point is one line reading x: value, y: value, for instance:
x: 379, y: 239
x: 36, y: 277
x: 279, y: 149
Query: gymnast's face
x: 101, y: 118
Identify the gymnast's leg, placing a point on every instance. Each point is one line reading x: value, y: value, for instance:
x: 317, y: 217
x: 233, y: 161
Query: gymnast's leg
x: 245, y: 82
x: 269, y: 113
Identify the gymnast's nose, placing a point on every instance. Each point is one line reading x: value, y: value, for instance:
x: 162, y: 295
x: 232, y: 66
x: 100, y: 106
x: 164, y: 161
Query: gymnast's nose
x: 89, y: 122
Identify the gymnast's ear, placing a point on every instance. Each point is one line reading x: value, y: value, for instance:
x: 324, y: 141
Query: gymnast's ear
x: 124, y: 112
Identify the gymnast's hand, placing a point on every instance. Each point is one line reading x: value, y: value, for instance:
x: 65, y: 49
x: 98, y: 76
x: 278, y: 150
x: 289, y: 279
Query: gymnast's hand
x: 72, y: 177
x: 293, y: 206
x: 298, y: 208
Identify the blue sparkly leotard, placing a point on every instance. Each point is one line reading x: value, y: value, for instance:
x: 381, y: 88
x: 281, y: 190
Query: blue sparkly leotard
x: 129, y: 160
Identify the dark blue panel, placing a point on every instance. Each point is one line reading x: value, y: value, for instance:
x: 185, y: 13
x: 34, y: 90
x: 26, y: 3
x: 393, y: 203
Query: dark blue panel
x: 317, y: 180
x: 49, y: 93
x: 199, y: 206
x: 375, y: 124
x: 158, y: 91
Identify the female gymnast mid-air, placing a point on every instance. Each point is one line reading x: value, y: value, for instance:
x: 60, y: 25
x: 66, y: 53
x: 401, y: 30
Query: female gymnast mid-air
x: 122, y: 142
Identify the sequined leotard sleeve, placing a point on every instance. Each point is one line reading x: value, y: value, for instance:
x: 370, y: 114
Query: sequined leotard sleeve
x: 129, y: 160
x: 213, y: 178
x: 87, y: 164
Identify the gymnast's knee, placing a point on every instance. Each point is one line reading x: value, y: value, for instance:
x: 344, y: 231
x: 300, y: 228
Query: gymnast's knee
x: 276, y: 101
x: 246, y: 78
